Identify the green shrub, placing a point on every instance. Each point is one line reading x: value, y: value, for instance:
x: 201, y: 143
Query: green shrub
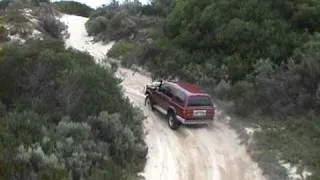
x: 121, y: 49
x: 118, y: 26
x: 13, y: 13
x: 72, y: 7
x: 97, y: 25
x: 5, y: 3
x: 52, y: 26
x: 65, y: 116
x: 129, y: 52
x: 3, y: 33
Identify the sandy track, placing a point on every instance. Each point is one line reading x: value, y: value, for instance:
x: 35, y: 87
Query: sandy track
x: 192, y: 153
x: 204, y: 153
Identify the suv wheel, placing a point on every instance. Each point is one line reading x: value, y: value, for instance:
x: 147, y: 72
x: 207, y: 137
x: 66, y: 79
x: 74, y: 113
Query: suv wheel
x: 173, y: 122
x: 149, y: 103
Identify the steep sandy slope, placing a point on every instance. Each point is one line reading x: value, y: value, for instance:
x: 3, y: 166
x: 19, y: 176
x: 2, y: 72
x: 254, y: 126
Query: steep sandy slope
x: 212, y: 152
x: 79, y: 39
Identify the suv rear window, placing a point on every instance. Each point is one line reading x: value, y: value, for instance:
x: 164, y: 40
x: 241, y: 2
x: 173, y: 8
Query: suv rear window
x: 199, y: 101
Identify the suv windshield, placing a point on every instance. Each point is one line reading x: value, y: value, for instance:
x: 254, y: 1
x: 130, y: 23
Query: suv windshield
x: 199, y: 101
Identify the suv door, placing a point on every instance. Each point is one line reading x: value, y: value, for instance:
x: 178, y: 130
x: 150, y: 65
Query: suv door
x: 178, y: 101
x: 156, y: 96
x: 165, y: 95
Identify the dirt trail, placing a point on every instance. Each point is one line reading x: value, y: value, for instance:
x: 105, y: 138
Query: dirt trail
x: 205, y: 153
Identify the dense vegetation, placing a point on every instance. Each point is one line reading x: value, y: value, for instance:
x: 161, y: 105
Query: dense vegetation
x: 23, y: 19
x: 62, y: 116
x: 4, y: 3
x: 262, y: 57
x: 115, y: 21
x: 73, y: 7
x: 3, y: 31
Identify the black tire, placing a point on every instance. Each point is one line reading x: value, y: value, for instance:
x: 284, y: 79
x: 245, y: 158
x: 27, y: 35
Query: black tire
x: 172, y: 121
x: 148, y: 102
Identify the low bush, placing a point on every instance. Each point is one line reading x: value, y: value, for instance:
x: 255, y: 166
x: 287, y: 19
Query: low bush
x: 128, y: 51
x: 119, y: 26
x: 73, y: 7
x: 64, y: 117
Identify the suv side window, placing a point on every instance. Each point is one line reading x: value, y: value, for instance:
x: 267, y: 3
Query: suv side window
x: 179, y: 97
x: 166, y: 89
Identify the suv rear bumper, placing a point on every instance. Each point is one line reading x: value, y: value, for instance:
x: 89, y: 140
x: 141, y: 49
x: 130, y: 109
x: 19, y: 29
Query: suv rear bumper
x: 184, y: 121
x: 197, y: 121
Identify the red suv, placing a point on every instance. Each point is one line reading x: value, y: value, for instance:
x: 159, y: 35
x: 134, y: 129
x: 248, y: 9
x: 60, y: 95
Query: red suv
x: 181, y: 102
